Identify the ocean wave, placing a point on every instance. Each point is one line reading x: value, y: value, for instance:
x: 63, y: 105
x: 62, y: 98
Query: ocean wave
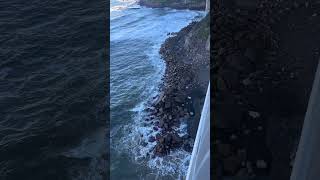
x: 136, y: 38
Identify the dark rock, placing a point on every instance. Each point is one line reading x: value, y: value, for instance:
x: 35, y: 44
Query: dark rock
x: 151, y: 139
x: 157, y: 123
x: 176, y: 138
x: 144, y: 144
x: 161, y: 123
x: 187, y: 147
x: 161, y: 140
x: 168, y: 138
x: 158, y: 136
x: 167, y: 105
x: 150, y: 108
x: 155, y: 128
x: 178, y: 99
x: 166, y: 126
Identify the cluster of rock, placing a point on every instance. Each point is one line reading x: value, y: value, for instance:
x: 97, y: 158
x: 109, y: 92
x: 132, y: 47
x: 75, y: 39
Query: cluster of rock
x: 250, y: 72
x: 183, y: 84
x: 166, y: 115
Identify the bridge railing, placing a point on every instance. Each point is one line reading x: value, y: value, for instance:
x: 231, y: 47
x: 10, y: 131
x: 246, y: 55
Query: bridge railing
x: 199, y: 167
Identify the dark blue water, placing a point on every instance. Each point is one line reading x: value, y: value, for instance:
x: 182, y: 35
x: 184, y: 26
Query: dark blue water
x: 53, y: 77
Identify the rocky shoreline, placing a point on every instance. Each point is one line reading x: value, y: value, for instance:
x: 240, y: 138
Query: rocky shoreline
x: 182, y: 93
x: 265, y: 55
x: 197, y: 5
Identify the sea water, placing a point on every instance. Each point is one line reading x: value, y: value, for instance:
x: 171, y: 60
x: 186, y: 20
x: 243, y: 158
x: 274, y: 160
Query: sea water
x: 136, y: 71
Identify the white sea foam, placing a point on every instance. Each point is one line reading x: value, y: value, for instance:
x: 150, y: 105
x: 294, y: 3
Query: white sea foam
x: 152, y: 25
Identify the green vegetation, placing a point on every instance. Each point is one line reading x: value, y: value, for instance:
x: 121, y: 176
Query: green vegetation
x: 203, y: 28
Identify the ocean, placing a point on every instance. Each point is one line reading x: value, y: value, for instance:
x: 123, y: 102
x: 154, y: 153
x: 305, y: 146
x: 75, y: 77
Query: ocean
x: 53, y: 77
x: 136, y: 71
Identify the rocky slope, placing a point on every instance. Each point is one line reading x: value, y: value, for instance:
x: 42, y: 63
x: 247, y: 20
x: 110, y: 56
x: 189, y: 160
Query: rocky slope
x: 186, y: 78
x: 265, y: 54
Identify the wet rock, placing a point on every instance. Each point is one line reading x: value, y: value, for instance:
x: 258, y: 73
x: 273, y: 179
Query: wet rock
x: 161, y: 140
x: 159, y: 150
x: 176, y: 139
x: 178, y: 99
x: 158, y: 136
x: 152, y: 139
x: 144, y: 144
x: 150, y: 109
x: 185, y: 137
x: 161, y: 123
x: 166, y: 126
x: 157, y: 123
x: 167, y: 105
x: 187, y: 147
x: 168, y: 138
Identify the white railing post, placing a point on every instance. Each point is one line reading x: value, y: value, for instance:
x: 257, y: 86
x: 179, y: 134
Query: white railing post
x: 199, y: 167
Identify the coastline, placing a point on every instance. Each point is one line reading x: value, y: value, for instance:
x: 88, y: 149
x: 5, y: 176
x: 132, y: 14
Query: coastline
x: 172, y: 4
x: 182, y: 92
x: 137, y: 138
